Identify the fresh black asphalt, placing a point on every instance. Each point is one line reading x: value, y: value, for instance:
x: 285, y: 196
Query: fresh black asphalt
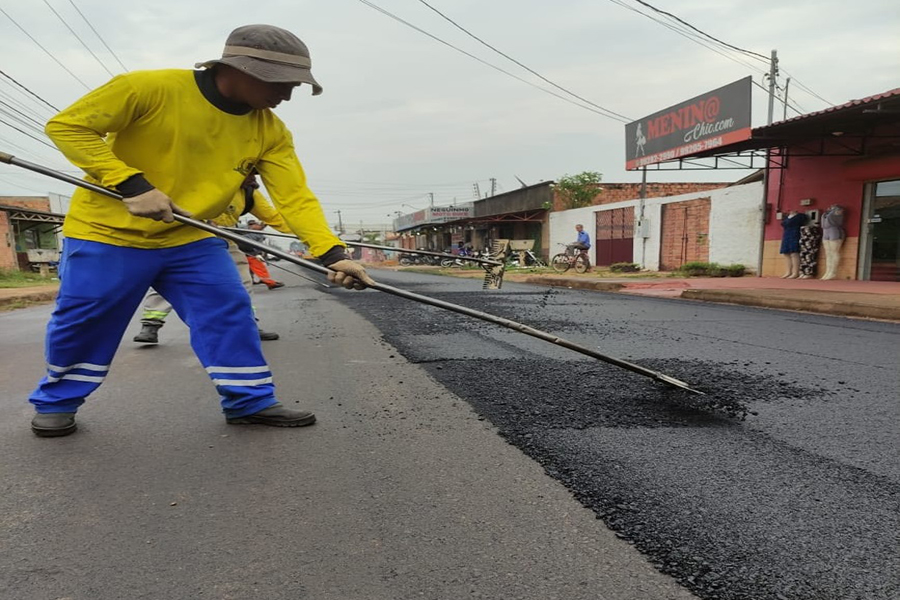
x: 782, y: 483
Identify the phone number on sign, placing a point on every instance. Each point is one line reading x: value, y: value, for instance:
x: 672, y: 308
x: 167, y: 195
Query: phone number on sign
x: 700, y: 146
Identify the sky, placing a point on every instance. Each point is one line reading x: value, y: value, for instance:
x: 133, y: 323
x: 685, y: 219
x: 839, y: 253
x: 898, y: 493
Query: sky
x: 406, y: 121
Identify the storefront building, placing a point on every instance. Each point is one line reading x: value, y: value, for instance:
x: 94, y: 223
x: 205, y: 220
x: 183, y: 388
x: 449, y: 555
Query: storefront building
x: 515, y: 215
x: 28, y: 233
x: 844, y: 161
x: 427, y: 229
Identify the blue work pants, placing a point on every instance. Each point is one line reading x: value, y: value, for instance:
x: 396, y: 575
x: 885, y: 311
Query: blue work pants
x: 102, y: 285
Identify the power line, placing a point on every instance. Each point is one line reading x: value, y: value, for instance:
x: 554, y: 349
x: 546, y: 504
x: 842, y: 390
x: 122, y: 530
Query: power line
x: 21, y: 118
x: 530, y: 70
x: 806, y: 89
x: 484, y: 62
x: 97, y: 33
x: 37, y: 139
x: 77, y: 37
x: 756, y: 55
x: 690, y: 36
x: 24, y: 109
x: 42, y: 192
x: 749, y: 53
x: 26, y: 89
x: 50, y: 54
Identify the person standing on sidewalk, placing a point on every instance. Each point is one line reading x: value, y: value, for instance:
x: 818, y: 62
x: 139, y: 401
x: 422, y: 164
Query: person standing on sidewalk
x: 247, y: 200
x: 179, y: 142
x: 254, y: 255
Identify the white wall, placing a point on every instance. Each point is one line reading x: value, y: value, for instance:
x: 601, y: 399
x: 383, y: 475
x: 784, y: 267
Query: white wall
x: 734, y: 225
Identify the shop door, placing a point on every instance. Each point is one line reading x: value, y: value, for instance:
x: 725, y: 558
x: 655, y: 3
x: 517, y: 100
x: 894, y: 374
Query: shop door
x: 685, y: 233
x: 615, y: 236
x: 885, y: 232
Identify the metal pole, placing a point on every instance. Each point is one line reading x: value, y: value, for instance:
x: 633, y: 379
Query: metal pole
x: 773, y: 74
x: 485, y: 261
x: 643, y: 196
x: 787, y: 84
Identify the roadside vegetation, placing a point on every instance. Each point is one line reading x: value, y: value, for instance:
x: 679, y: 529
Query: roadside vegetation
x: 617, y: 270
x: 708, y: 269
x: 11, y: 278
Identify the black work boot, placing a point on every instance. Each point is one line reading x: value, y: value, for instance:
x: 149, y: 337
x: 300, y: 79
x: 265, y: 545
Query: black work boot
x: 53, y: 424
x: 148, y: 334
x: 276, y: 416
x: 268, y: 336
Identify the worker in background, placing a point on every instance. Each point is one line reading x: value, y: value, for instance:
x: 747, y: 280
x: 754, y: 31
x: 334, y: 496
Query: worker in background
x: 247, y: 200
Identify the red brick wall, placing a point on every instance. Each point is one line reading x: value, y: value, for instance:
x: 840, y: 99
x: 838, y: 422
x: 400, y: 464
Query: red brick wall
x: 619, y: 192
x: 7, y: 244
x: 685, y: 233
x: 30, y: 202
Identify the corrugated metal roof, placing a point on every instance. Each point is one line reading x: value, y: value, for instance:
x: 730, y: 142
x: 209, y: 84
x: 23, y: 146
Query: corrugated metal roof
x: 833, y: 109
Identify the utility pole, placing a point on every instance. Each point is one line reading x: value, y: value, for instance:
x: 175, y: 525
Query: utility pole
x: 477, y: 191
x: 787, y: 84
x: 431, y: 199
x: 340, y: 223
x: 493, y: 186
x: 641, y: 223
x: 773, y: 74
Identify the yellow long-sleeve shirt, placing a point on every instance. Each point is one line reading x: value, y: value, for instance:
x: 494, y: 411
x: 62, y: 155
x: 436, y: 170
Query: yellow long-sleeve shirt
x: 163, y: 124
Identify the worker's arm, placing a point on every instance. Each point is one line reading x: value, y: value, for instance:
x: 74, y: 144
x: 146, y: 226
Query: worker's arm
x: 285, y: 181
x: 80, y: 132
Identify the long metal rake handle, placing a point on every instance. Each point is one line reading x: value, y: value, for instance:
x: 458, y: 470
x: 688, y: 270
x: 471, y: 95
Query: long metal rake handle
x: 486, y: 261
x: 515, y: 326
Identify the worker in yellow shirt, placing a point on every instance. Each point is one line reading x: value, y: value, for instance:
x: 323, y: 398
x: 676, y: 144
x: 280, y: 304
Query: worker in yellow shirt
x: 179, y: 142
x: 247, y: 201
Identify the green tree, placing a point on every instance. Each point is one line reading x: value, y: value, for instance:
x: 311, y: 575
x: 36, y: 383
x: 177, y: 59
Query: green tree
x: 577, y: 191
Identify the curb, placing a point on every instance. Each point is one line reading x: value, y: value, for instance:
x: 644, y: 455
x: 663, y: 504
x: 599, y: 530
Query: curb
x: 845, y: 309
x: 578, y: 284
x: 40, y: 296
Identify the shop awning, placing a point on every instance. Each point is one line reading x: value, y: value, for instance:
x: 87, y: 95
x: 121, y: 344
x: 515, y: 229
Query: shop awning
x: 851, y: 123
x: 18, y: 213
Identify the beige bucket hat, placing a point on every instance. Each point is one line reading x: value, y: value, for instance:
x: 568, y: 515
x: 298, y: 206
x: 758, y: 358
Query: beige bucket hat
x: 268, y: 53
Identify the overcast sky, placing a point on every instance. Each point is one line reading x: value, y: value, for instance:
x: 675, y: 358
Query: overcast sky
x: 404, y: 116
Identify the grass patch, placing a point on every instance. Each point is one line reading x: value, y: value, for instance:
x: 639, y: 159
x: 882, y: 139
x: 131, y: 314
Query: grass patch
x: 10, y: 278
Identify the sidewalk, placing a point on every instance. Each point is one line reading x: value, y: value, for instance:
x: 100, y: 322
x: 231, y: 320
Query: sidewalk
x: 24, y: 296
x: 863, y: 299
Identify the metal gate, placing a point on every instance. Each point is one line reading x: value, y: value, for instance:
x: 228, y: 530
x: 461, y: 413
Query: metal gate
x: 615, y: 236
x: 685, y: 233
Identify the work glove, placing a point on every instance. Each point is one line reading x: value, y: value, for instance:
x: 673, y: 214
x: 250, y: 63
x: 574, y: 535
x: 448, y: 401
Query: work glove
x: 154, y: 205
x: 349, y: 274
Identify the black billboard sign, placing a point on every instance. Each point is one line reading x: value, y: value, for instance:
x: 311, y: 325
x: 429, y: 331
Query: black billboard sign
x: 713, y: 119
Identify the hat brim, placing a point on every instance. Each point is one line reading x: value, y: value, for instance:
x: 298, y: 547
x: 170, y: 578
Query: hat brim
x: 268, y: 71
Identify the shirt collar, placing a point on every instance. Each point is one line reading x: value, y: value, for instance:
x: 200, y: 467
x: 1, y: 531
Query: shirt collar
x: 206, y: 81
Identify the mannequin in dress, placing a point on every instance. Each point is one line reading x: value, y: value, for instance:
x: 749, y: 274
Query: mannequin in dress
x: 790, y: 243
x: 810, y: 240
x: 833, y: 235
